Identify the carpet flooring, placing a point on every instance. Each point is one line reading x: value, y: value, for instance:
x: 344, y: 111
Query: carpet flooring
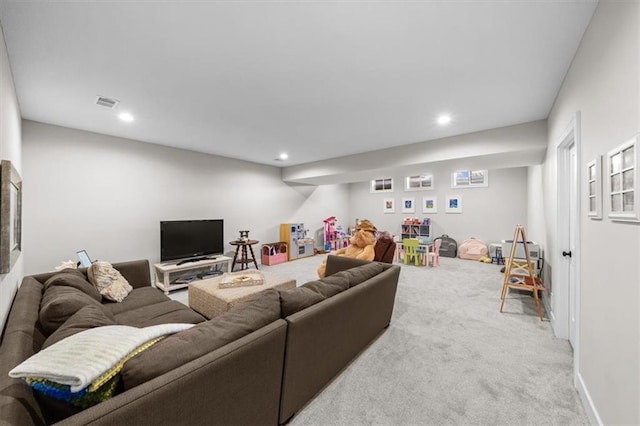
x: 449, y: 357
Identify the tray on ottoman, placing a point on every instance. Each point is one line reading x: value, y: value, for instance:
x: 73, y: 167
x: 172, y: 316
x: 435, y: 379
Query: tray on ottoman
x: 241, y: 279
x: 208, y: 298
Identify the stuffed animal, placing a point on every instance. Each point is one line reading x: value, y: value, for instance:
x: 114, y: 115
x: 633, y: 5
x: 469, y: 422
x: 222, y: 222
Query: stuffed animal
x: 360, y: 247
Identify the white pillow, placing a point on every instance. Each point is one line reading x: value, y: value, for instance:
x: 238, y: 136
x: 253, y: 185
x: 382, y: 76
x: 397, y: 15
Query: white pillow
x: 109, y: 281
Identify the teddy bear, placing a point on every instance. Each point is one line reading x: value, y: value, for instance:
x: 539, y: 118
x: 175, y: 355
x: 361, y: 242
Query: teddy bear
x: 361, y: 245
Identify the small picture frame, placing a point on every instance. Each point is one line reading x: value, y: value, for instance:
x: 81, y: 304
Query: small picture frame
x: 594, y: 188
x: 453, y: 204
x: 429, y: 205
x: 408, y: 205
x: 388, y: 205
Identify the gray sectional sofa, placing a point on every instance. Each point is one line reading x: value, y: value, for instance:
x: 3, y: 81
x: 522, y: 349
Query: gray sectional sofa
x: 259, y: 363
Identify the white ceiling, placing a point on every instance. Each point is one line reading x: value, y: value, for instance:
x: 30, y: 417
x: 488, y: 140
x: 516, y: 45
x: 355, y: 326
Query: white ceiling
x: 249, y: 79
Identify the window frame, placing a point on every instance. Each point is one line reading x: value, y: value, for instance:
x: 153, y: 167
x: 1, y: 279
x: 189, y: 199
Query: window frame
x: 632, y: 215
x: 383, y: 183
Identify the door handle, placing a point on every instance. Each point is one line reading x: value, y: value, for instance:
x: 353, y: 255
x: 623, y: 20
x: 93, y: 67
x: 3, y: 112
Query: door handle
x: 566, y: 253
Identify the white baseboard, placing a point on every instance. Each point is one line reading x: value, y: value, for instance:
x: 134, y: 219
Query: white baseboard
x: 587, y: 402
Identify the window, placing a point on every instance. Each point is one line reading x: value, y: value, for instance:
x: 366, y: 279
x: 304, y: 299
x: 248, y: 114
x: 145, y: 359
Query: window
x: 622, y: 171
x: 470, y: 178
x: 594, y: 191
x: 418, y: 183
x: 382, y: 185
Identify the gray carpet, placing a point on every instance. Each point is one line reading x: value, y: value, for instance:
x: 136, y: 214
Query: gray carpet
x: 449, y: 357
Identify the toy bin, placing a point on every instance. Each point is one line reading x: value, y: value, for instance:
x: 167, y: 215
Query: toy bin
x: 274, y: 253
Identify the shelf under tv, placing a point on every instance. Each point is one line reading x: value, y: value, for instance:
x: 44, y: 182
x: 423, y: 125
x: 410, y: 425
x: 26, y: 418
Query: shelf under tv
x: 165, y: 271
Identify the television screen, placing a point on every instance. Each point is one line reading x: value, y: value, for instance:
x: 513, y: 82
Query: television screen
x: 181, y: 239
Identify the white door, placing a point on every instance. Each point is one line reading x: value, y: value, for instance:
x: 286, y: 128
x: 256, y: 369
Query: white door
x: 565, y: 288
x: 573, y: 218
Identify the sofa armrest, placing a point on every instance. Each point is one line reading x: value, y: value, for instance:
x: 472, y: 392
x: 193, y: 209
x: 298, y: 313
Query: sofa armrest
x: 323, y: 338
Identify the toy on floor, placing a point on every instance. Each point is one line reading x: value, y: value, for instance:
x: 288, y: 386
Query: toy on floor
x: 485, y: 259
x: 334, y: 236
x: 361, y: 247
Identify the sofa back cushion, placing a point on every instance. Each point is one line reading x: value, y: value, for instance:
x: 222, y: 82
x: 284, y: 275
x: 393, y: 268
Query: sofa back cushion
x: 329, y: 286
x: 359, y: 274
x: 60, y: 302
x: 181, y: 348
x: 87, y: 317
x: 73, y: 278
x: 296, y: 299
x: 308, y: 294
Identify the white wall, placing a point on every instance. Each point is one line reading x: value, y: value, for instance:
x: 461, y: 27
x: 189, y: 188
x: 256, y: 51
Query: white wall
x: 603, y: 83
x: 504, y: 147
x: 489, y: 214
x: 536, y: 222
x: 107, y: 195
x: 10, y: 149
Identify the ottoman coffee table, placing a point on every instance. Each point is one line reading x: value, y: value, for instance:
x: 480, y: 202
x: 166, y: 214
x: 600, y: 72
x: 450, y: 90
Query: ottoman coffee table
x: 210, y: 300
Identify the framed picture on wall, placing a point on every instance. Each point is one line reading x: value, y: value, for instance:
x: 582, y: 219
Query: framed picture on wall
x: 408, y: 205
x: 453, y: 204
x: 622, y: 180
x: 388, y: 205
x: 10, y: 216
x: 594, y: 188
x: 429, y: 205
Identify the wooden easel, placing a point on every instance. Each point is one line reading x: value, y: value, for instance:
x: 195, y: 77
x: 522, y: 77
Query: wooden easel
x: 519, y: 273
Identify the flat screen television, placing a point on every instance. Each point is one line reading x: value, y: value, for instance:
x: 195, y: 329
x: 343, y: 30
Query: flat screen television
x: 182, y: 239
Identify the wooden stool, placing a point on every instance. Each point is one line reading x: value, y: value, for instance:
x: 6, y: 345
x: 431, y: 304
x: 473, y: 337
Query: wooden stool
x: 241, y: 249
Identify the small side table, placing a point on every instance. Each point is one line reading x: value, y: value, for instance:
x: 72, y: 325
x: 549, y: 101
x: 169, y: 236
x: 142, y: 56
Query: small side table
x: 241, y: 249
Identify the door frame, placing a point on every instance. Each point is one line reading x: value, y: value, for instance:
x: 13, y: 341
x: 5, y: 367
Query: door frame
x: 560, y: 316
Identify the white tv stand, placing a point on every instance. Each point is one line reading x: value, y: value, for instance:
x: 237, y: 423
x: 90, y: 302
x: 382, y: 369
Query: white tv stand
x: 170, y: 271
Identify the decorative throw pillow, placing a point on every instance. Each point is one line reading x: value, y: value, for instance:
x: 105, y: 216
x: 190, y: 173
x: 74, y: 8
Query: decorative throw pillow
x: 108, y: 281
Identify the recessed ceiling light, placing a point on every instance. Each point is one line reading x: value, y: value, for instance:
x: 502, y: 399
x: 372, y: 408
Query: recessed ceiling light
x: 444, y: 119
x: 283, y: 156
x: 126, y: 117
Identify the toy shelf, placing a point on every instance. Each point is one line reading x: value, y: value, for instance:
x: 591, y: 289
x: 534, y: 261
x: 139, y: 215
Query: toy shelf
x: 274, y: 253
x: 421, y: 232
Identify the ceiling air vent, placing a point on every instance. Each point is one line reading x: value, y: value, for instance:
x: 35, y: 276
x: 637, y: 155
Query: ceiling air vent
x: 106, y: 102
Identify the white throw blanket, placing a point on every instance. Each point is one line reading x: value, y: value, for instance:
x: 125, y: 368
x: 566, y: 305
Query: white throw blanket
x: 80, y: 359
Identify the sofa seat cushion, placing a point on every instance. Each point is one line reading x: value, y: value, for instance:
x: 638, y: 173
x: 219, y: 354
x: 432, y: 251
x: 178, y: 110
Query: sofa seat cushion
x: 138, y: 297
x: 59, y: 303
x: 90, y: 316
x: 296, y: 299
x: 169, y: 311
x: 202, y: 338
